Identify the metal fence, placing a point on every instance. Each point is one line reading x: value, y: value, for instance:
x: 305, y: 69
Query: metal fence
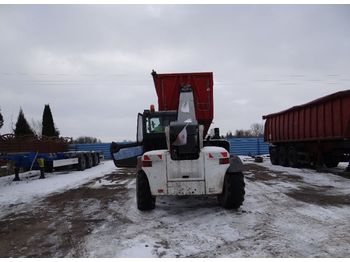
x: 101, y: 147
x: 248, y: 146
x: 238, y: 146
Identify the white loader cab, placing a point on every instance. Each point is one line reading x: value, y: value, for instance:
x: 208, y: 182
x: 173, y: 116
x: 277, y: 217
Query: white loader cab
x: 187, y: 167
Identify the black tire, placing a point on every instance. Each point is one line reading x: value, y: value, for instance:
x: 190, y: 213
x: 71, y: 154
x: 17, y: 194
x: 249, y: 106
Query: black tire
x: 273, y: 155
x: 82, y: 163
x: 89, y: 161
x: 48, y: 167
x: 293, y: 157
x: 95, y: 159
x: 282, y: 156
x: 330, y: 161
x: 144, y: 198
x: 233, y: 193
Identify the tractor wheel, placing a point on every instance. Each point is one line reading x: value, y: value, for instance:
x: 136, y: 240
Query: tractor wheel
x: 82, y: 163
x: 283, y: 156
x: 144, y: 198
x: 293, y: 157
x: 273, y: 155
x: 233, y: 193
x: 89, y: 162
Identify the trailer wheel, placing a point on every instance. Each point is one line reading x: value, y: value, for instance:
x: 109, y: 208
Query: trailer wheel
x: 82, y: 163
x: 144, y: 198
x: 273, y: 155
x: 48, y: 166
x: 89, y: 161
x: 282, y: 156
x: 233, y: 193
x: 95, y: 159
x: 293, y: 157
x: 330, y: 161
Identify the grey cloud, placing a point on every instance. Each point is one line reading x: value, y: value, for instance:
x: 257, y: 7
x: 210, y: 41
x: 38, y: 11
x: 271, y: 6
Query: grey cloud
x: 92, y: 63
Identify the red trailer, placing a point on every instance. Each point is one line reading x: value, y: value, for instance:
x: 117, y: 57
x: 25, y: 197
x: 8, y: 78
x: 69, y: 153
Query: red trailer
x: 314, y: 133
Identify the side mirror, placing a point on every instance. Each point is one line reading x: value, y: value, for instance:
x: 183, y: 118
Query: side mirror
x: 139, y: 135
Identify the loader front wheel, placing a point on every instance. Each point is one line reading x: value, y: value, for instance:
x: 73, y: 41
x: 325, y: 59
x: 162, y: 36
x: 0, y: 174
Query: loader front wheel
x: 233, y: 193
x: 144, y: 198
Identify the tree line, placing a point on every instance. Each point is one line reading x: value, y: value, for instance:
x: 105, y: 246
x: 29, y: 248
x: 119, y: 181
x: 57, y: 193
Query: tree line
x: 22, y: 127
x: 256, y: 130
x: 44, y: 128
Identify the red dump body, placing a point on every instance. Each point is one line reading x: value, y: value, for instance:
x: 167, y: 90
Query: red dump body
x: 168, y: 91
x: 327, y: 118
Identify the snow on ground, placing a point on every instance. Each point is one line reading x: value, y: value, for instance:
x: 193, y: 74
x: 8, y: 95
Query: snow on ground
x: 269, y: 224
x: 287, y: 212
x: 30, y: 187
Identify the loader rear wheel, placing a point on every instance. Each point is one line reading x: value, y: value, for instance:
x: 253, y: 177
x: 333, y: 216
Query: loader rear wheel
x: 233, y: 193
x: 144, y: 198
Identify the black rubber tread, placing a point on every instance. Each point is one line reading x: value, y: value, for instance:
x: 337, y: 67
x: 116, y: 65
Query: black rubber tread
x: 89, y: 161
x: 233, y: 193
x: 293, y: 157
x: 144, y: 198
x: 82, y: 163
x: 330, y: 162
x: 48, y: 167
x: 98, y: 158
x: 282, y: 156
x: 95, y: 159
x: 273, y: 155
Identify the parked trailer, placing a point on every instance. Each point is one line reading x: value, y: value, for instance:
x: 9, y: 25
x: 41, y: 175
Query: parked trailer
x: 44, y: 153
x: 51, y: 161
x: 312, y: 134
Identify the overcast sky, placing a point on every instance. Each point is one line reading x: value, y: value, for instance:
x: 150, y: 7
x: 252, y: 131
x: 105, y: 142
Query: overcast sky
x: 92, y: 63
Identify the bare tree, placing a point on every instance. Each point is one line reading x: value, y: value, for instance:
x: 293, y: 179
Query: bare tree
x: 247, y: 133
x: 86, y: 140
x: 257, y: 129
x: 36, y: 126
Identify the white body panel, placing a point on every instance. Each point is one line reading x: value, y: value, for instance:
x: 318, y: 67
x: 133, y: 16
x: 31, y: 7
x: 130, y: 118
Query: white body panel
x: 202, y: 176
x: 184, y: 170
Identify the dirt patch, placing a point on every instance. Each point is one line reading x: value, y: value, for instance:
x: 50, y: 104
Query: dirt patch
x: 260, y: 173
x: 56, y: 227
x: 319, y: 196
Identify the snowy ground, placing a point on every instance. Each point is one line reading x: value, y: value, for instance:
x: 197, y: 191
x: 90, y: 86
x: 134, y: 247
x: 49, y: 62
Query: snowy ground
x: 287, y: 213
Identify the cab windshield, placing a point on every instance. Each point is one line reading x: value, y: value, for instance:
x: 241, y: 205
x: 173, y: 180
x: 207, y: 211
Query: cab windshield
x: 157, y: 124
